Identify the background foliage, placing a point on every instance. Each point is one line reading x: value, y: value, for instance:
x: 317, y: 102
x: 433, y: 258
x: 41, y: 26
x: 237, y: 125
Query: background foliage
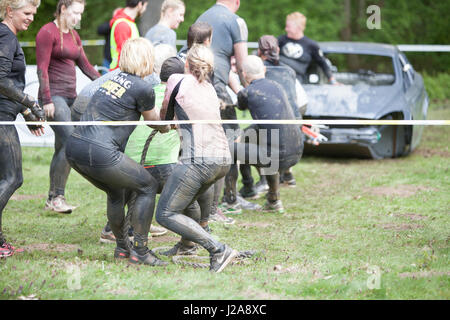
x: 402, y: 22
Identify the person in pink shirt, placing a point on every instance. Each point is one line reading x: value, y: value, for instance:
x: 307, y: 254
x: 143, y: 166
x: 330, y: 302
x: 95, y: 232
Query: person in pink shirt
x: 58, y: 51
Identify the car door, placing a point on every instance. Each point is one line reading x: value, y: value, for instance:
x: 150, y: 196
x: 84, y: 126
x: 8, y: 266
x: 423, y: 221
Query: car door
x: 414, y: 95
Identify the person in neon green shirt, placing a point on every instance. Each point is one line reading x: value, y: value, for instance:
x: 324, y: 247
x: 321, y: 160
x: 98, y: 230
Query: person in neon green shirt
x: 123, y: 27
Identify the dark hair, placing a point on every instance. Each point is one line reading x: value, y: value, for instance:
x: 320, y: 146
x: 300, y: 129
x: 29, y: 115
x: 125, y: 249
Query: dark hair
x: 134, y: 3
x: 169, y: 67
x: 198, y: 33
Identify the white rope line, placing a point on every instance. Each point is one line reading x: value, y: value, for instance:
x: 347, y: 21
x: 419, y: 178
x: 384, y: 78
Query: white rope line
x: 181, y: 122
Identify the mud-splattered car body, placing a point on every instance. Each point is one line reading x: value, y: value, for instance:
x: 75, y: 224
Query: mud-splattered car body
x: 377, y: 82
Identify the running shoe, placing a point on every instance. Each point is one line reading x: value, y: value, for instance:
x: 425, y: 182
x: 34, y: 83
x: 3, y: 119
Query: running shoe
x: 59, y: 204
x: 149, y: 258
x: 261, y: 187
x: 247, y: 205
x: 233, y: 208
x: 274, y: 207
x: 220, y: 260
x: 123, y: 253
x: 249, y: 193
x: 180, y: 249
x: 107, y: 237
x: 9, y: 247
x: 220, y: 217
x: 289, y: 183
x: 156, y: 231
x: 5, y: 252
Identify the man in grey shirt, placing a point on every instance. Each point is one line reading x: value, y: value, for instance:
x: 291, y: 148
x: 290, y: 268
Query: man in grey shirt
x: 229, y: 38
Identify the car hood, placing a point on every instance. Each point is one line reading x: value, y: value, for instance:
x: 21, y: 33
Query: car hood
x: 347, y: 101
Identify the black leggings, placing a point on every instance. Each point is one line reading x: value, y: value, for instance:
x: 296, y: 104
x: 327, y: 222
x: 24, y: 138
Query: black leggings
x: 59, y: 167
x: 115, y: 173
x: 11, y: 177
x: 190, y: 182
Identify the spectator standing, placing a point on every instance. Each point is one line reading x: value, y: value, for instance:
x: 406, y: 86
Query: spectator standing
x: 297, y: 50
x: 123, y: 27
x: 172, y: 14
x: 229, y: 38
x: 58, y: 51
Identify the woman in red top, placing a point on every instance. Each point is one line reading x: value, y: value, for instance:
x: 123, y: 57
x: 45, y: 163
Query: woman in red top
x: 58, y: 50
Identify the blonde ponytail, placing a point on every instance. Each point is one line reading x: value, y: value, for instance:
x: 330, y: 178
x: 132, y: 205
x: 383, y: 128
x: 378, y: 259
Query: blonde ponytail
x: 201, y: 62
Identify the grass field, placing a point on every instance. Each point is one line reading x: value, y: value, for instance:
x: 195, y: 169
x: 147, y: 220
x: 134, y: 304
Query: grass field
x: 353, y: 229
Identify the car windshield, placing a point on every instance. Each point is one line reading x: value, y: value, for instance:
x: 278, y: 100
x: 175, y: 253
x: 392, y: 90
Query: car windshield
x: 353, y: 69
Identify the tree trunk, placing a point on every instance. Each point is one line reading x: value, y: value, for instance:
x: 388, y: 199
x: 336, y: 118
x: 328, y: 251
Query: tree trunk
x: 150, y: 17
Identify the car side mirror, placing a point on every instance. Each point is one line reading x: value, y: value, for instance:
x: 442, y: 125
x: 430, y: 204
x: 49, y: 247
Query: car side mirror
x: 313, y: 78
x: 407, y: 67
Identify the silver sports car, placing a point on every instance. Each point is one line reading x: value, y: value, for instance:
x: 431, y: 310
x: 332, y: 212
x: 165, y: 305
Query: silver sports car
x: 376, y: 82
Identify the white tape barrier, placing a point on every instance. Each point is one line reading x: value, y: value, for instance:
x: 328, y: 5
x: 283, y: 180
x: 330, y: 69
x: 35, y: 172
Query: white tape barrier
x: 297, y: 122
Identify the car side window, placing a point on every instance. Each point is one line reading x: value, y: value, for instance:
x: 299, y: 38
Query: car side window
x: 407, y: 71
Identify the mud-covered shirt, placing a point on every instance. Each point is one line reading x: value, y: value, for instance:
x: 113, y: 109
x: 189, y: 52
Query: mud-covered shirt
x: 12, y: 76
x: 228, y: 29
x: 298, y: 54
x: 56, y: 65
x: 122, y: 98
x: 267, y: 100
x: 285, y: 76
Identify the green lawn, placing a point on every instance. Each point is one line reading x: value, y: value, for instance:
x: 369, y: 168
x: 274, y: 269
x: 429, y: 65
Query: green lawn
x: 353, y: 229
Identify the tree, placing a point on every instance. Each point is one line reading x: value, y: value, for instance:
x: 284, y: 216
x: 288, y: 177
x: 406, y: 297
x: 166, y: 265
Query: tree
x: 151, y: 16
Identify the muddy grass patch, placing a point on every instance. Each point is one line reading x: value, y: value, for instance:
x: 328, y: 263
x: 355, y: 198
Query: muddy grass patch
x: 400, y: 227
x: 424, y: 274
x: 248, y: 225
x: 25, y: 197
x: 49, y: 247
x: 401, y: 191
x: 410, y: 216
x: 428, y: 153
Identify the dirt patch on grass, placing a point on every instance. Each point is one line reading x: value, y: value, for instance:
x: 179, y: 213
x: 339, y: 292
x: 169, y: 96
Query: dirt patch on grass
x: 402, y: 191
x: 260, y: 295
x: 400, y: 227
x: 428, y: 153
x: 165, y: 238
x: 47, y: 247
x: 325, y: 236
x: 24, y: 197
x: 254, y: 224
x: 424, y: 274
x: 411, y: 216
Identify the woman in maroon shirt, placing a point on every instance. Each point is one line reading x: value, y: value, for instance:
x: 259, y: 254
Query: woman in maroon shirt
x: 58, y: 50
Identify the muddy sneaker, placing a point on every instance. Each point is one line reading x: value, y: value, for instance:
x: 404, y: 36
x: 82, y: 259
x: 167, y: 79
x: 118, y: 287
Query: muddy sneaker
x: 149, y: 258
x: 107, y: 237
x: 220, y: 217
x: 231, y: 208
x: 123, y: 253
x: 274, y: 207
x: 180, y: 249
x: 220, y: 260
x: 156, y: 231
x: 289, y: 183
x: 248, y: 193
x: 247, y: 205
x: 5, y: 252
x: 58, y: 204
x: 261, y: 187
